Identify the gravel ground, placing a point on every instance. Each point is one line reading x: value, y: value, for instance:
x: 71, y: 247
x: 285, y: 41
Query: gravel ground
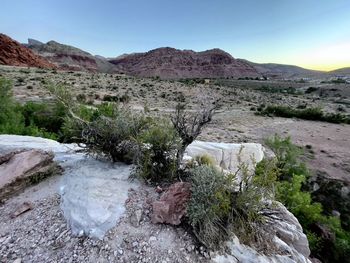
x: 42, y: 234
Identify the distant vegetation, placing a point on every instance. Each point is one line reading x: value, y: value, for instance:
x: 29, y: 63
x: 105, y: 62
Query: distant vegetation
x: 35, y: 119
x: 315, y: 113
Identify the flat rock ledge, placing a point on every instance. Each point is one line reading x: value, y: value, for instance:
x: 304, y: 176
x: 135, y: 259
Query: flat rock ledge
x: 21, y: 168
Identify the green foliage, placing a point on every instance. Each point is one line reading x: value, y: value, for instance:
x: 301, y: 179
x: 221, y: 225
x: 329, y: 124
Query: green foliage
x: 219, y: 206
x: 30, y: 119
x: 291, y: 179
x: 159, y: 145
x: 299, y: 202
x: 287, y: 156
x: 315, y: 114
x: 209, y: 207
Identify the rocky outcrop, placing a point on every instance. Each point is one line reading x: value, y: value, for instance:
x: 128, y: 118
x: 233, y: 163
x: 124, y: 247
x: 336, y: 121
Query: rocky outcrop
x: 93, y: 192
x: 171, y: 206
x: 13, y: 53
x: 70, y: 58
x: 171, y: 63
x: 228, y: 156
x: 19, y: 169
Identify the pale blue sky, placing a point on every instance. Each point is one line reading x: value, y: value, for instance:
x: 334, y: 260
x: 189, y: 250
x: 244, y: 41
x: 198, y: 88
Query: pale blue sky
x: 314, y: 34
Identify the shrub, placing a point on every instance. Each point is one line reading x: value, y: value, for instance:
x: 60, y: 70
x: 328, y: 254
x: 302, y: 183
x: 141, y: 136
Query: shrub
x: 291, y: 180
x: 315, y: 114
x: 158, y: 146
x: 220, y: 205
x: 210, y: 205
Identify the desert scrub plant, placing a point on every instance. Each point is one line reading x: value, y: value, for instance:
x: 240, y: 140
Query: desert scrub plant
x: 224, y: 204
x: 210, y: 205
x: 108, y: 130
x: 190, y: 125
x: 200, y: 160
x: 290, y: 190
x: 158, y: 147
x: 315, y: 114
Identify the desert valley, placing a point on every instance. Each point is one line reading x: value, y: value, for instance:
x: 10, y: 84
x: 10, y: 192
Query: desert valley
x: 48, y: 219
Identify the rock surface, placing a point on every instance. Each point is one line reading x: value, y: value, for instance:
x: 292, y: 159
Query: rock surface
x: 171, y: 206
x: 93, y: 192
x: 171, y: 63
x: 13, y: 53
x: 19, y: 169
x: 228, y: 156
x: 93, y: 195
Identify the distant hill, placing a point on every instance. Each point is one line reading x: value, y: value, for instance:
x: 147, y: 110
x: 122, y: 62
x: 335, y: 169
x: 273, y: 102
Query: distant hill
x: 165, y: 62
x: 341, y: 71
x: 70, y: 58
x: 13, y: 53
x: 171, y: 63
x: 285, y: 71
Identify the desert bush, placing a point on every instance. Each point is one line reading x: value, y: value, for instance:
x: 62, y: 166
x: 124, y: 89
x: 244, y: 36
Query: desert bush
x: 315, y: 114
x: 210, y: 205
x: 290, y: 184
x: 221, y: 204
x: 189, y: 125
x: 158, y: 147
x: 200, y: 160
x: 288, y: 157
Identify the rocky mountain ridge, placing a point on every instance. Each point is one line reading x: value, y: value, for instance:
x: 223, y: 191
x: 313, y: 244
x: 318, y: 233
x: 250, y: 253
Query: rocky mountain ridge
x: 13, y: 53
x: 171, y: 63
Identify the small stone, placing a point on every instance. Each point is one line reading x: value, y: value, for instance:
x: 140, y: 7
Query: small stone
x: 18, y: 260
x: 152, y: 239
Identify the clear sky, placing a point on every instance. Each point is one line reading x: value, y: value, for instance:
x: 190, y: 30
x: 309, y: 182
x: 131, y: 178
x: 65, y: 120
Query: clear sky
x: 309, y: 33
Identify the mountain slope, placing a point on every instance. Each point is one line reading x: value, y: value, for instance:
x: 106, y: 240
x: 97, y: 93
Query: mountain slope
x: 13, y: 53
x: 284, y: 71
x: 171, y: 63
x: 70, y: 58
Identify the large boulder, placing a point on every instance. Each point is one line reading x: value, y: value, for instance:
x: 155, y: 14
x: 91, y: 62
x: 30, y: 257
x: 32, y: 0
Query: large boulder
x: 171, y: 206
x: 228, y: 157
x: 18, y: 169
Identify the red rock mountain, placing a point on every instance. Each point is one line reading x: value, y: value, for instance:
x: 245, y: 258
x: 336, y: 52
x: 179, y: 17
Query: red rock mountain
x: 70, y: 58
x: 171, y: 63
x: 13, y: 53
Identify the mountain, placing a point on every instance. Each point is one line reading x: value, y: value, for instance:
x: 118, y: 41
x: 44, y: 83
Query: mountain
x: 273, y: 70
x: 341, y: 72
x: 171, y: 63
x: 70, y: 58
x: 13, y: 53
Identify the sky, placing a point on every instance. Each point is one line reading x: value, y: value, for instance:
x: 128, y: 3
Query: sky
x: 308, y: 33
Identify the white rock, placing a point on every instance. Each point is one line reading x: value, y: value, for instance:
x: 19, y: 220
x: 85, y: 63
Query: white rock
x: 228, y: 156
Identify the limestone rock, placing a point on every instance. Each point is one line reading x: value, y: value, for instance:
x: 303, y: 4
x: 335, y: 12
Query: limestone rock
x: 228, y: 156
x: 172, y: 204
x: 93, y: 195
x: 19, y: 169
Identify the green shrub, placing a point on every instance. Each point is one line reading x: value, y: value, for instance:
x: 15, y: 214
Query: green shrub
x: 210, y: 205
x: 159, y: 145
x: 315, y: 114
x: 24, y: 120
x: 220, y: 206
x: 291, y: 180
